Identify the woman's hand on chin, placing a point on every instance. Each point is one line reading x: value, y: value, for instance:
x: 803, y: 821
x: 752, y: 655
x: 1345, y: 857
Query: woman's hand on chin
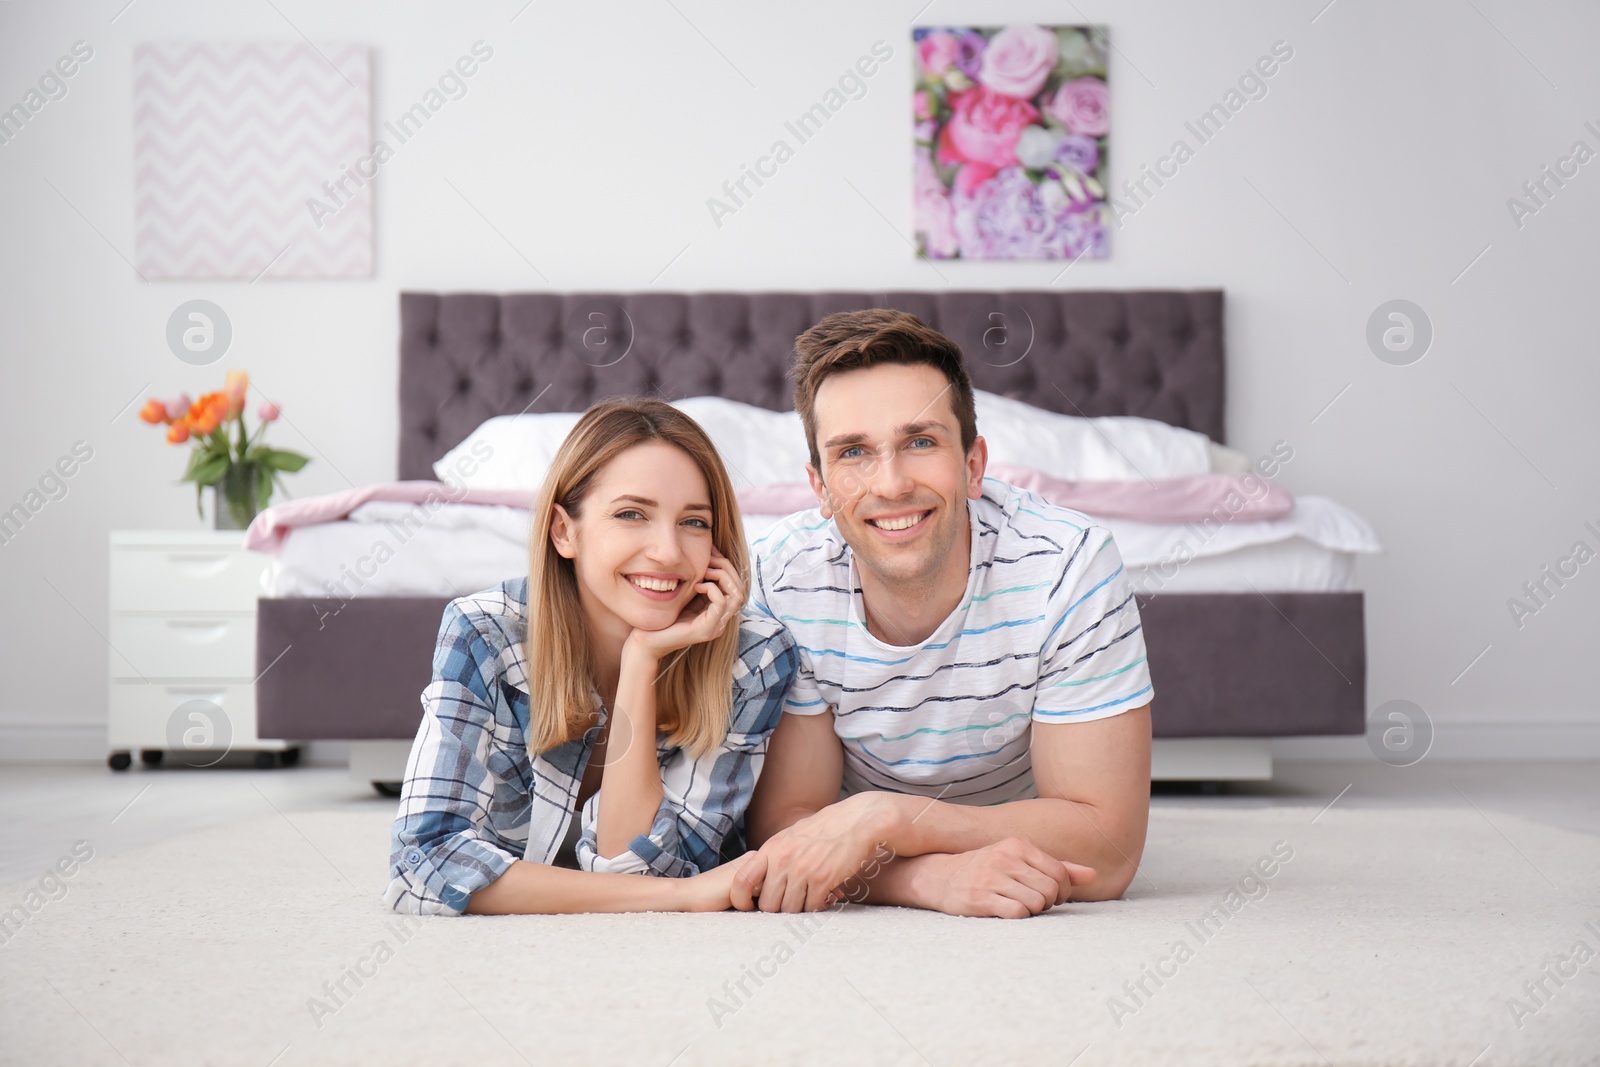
x: 719, y: 600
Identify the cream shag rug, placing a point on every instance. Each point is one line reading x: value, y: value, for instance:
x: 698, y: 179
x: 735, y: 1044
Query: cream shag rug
x: 1416, y: 937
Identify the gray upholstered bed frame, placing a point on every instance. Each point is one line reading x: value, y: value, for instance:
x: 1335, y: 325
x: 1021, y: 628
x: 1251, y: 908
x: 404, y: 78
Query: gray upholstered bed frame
x: 1223, y: 664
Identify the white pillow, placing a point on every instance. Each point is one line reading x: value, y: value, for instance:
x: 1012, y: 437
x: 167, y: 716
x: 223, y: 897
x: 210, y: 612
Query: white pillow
x: 1108, y: 448
x: 763, y: 447
x: 507, y: 451
x: 1225, y: 460
x: 758, y: 446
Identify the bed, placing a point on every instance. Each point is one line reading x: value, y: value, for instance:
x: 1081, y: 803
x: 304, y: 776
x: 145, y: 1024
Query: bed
x: 1265, y: 639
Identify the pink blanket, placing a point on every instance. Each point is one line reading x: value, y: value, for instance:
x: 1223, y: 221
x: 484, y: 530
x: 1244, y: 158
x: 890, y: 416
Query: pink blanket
x: 267, y: 532
x: 1245, y: 498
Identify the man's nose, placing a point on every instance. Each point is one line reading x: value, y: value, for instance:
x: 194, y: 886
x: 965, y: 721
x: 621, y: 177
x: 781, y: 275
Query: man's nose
x: 888, y: 477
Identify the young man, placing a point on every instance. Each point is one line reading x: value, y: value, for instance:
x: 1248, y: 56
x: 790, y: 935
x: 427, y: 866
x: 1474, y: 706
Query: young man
x: 973, y: 700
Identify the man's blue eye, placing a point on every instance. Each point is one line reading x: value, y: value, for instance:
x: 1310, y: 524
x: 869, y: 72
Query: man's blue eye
x: 925, y: 441
x: 849, y: 452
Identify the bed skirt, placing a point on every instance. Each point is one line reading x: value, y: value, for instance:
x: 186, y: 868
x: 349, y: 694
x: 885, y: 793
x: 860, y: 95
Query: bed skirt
x: 1222, y: 664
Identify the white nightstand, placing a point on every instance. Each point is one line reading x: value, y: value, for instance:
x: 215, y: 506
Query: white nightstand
x: 183, y: 649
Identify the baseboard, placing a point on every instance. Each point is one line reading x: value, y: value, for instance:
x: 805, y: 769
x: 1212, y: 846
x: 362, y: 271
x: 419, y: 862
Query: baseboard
x: 1215, y: 759
x: 85, y: 742
x: 72, y: 742
x: 1459, y: 741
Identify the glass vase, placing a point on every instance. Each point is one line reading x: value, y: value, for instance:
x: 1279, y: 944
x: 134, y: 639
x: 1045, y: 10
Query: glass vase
x: 233, y: 500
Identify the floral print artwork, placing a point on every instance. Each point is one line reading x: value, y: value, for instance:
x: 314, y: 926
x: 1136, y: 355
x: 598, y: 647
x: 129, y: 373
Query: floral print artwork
x: 1010, y: 124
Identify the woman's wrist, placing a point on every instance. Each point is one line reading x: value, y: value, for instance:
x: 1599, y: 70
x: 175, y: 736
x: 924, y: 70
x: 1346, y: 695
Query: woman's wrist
x: 676, y: 894
x: 636, y: 653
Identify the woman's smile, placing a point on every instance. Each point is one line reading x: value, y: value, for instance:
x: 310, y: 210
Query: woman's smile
x: 656, y: 587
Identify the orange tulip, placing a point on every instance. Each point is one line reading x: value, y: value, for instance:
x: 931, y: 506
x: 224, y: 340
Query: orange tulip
x: 178, y: 432
x: 154, y: 411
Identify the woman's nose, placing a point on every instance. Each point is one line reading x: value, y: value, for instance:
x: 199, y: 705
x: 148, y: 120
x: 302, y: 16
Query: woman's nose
x: 666, y: 545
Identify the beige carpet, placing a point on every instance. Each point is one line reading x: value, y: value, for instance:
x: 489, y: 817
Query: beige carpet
x: 1389, y: 938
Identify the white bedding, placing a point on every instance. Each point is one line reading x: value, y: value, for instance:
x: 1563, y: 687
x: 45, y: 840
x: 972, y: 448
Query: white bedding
x: 387, y: 549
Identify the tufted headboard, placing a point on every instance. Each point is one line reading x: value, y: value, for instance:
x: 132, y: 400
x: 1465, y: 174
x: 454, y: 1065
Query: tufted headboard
x: 465, y: 357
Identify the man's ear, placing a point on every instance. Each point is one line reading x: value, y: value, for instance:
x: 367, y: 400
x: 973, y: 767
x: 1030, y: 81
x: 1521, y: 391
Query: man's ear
x: 977, y: 463
x: 563, y: 533
x: 819, y: 487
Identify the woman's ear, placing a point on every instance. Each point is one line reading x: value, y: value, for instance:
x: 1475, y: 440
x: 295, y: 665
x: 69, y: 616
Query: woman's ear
x: 563, y: 533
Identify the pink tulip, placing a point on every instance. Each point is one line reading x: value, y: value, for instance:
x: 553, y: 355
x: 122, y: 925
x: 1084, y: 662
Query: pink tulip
x: 177, y: 408
x: 269, y: 412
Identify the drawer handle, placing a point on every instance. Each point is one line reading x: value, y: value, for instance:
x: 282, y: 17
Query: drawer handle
x: 216, y: 696
x: 200, y: 565
x: 199, y: 633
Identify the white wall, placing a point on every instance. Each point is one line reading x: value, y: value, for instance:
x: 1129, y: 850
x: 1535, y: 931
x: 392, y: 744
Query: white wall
x: 1378, y: 166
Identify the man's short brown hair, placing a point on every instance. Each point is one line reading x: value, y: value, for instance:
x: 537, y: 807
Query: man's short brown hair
x: 853, y: 340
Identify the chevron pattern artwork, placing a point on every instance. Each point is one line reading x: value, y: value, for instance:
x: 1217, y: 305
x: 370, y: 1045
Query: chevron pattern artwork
x: 234, y: 144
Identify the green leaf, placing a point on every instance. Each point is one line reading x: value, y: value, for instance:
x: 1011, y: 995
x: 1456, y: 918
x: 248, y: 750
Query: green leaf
x: 209, y: 470
x: 263, y: 486
x: 280, y: 459
x: 196, y: 457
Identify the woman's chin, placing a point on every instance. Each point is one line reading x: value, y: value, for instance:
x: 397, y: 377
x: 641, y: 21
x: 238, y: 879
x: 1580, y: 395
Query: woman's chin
x: 650, y: 618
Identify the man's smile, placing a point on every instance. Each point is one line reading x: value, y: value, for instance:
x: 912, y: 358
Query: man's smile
x: 900, y: 526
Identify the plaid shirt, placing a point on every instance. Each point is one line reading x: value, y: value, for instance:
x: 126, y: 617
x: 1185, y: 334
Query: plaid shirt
x: 476, y: 799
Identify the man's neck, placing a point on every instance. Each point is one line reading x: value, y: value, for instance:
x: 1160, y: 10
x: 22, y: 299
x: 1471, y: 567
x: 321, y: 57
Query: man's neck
x: 902, y: 613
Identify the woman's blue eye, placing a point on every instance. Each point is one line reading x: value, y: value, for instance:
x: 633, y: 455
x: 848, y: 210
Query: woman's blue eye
x: 629, y: 513
x: 701, y: 523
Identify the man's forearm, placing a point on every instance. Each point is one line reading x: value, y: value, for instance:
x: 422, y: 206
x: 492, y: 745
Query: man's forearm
x: 904, y: 881
x: 761, y: 825
x: 1066, y: 829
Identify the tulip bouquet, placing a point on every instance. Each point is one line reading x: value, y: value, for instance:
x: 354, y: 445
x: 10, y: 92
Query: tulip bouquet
x: 233, y: 461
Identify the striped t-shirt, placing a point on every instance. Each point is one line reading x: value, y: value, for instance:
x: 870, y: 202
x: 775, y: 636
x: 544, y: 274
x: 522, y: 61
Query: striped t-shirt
x: 1047, y: 631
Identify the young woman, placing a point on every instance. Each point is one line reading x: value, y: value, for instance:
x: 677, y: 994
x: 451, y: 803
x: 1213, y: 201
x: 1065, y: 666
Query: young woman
x: 604, y: 719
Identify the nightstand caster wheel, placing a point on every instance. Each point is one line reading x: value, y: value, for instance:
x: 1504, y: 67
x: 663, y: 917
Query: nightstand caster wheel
x: 387, y: 789
x: 289, y: 756
x: 265, y: 761
x: 119, y: 761
x: 151, y: 757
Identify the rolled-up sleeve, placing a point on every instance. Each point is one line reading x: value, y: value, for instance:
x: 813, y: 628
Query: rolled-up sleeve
x: 442, y: 849
x: 702, y: 800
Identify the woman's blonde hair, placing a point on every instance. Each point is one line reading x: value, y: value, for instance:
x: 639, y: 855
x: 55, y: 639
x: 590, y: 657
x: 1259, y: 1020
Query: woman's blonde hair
x: 694, y: 694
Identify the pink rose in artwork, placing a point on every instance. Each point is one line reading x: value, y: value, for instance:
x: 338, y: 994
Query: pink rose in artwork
x: 970, y: 176
x: 936, y: 52
x: 921, y: 108
x: 1083, y: 106
x: 1018, y: 60
x: 931, y: 211
x: 984, y: 128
